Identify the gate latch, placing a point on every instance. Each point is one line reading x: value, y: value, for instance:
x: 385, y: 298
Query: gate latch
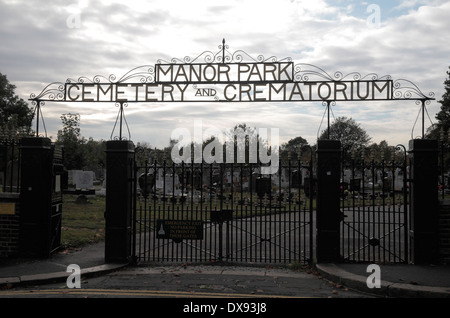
x: 221, y: 216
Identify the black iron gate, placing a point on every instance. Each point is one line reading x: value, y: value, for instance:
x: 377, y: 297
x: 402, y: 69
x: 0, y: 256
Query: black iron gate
x: 198, y: 212
x: 191, y: 212
x: 375, y: 207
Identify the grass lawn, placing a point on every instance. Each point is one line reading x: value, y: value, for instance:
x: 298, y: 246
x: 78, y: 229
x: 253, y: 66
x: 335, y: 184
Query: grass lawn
x: 82, y: 224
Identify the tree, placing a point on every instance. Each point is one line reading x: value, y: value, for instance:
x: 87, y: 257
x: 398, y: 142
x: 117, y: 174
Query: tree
x: 443, y: 116
x: 294, y: 147
x: 94, y: 155
x: 351, y: 135
x: 15, y: 114
x: 348, y: 132
x: 378, y: 152
x: 70, y: 138
x: 441, y: 130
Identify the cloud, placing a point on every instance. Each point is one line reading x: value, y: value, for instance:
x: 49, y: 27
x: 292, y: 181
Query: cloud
x: 113, y: 37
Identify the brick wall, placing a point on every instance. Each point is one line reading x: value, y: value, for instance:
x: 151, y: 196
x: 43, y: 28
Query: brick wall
x: 9, y: 224
x: 444, y: 231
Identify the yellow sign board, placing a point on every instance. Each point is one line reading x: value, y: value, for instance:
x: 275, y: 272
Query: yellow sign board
x: 7, y: 208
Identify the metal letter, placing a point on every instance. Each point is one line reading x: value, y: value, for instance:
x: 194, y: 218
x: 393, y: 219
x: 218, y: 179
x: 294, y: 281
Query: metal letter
x: 319, y: 91
x: 69, y: 91
x: 148, y: 92
x: 85, y: 92
x: 120, y: 92
x: 225, y: 93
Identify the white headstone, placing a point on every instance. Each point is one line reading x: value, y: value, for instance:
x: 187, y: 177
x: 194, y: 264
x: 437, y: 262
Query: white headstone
x: 84, y: 179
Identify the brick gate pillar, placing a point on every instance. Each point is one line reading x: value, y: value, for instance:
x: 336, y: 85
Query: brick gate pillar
x: 36, y: 188
x: 424, y: 214
x: 119, y: 200
x: 328, y: 207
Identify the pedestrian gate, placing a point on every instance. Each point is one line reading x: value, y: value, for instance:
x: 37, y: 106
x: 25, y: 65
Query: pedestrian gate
x: 375, y: 207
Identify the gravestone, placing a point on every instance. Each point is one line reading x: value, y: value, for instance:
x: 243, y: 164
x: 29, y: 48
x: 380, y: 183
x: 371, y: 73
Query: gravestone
x: 84, y: 179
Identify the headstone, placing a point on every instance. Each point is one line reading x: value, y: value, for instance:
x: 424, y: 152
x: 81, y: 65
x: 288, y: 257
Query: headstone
x: 263, y: 186
x: 84, y: 179
x: 71, y: 177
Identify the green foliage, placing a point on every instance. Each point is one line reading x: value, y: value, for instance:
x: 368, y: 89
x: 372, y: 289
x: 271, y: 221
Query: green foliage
x: 79, y: 153
x: 69, y: 137
x: 351, y: 135
x: 348, y: 131
x: 443, y: 116
x: 441, y: 130
x: 94, y: 154
x: 71, y: 127
x: 15, y: 115
x: 293, y: 147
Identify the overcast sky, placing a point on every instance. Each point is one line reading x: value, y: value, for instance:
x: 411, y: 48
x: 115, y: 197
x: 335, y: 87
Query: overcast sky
x: 49, y: 41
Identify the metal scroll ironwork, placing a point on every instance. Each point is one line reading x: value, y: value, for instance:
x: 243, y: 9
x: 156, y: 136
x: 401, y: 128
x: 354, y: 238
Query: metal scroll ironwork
x: 224, y: 56
x: 230, y: 77
x: 121, y: 118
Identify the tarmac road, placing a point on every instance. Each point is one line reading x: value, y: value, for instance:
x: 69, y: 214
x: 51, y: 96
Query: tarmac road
x: 203, y: 281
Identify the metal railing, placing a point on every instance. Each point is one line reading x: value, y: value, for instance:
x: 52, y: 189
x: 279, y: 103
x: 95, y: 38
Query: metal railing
x: 10, y: 165
x: 223, y: 212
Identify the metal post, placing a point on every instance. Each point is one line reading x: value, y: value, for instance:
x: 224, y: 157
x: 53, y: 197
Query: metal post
x: 328, y: 103
x: 38, y: 110
x: 328, y: 114
x: 223, y: 51
x: 220, y: 240
x: 311, y: 200
x: 121, y: 118
x: 423, y: 118
x: 405, y: 205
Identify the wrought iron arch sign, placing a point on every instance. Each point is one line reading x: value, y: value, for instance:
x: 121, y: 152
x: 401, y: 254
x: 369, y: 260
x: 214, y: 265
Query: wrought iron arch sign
x: 225, y: 76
